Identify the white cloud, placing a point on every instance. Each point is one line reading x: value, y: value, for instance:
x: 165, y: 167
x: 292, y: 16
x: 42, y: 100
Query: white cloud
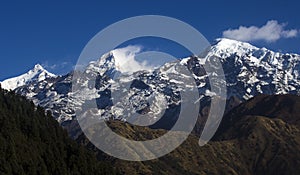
x: 125, y: 60
x: 290, y: 33
x: 270, y: 32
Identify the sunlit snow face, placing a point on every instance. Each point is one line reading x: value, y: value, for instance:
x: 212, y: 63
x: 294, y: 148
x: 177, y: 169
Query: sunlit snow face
x: 130, y: 59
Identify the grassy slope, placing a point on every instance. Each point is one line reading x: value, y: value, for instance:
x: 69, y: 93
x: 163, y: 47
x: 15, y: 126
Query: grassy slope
x: 260, y: 136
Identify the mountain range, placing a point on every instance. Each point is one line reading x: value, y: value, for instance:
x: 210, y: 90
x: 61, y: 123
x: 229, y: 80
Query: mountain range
x: 248, y: 71
x: 259, y: 133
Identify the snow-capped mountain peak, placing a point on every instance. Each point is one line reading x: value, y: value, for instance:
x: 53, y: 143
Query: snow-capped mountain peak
x: 37, y: 74
x: 122, y: 60
x: 38, y: 67
x: 224, y: 47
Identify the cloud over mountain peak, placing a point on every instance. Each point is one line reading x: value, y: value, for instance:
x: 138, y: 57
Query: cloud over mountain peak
x: 270, y: 32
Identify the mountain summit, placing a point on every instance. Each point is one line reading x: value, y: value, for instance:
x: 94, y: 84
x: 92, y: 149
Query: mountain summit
x: 36, y: 74
x: 120, y: 60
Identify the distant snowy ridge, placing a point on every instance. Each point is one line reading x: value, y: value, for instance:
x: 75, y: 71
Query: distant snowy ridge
x: 37, y: 74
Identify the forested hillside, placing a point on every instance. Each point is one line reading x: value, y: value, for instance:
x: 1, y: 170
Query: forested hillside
x: 34, y: 143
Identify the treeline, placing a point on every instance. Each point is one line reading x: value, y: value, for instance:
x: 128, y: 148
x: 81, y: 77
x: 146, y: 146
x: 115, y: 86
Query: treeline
x: 32, y: 142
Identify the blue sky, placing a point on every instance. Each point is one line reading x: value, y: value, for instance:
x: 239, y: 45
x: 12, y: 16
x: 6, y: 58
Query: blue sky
x: 53, y: 33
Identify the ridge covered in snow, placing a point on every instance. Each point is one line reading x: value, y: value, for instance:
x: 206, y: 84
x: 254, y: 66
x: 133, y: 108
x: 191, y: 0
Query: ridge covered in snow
x: 37, y: 74
x: 249, y: 71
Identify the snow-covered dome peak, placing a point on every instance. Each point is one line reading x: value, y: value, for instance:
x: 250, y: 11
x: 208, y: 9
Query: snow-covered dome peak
x: 224, y: 45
